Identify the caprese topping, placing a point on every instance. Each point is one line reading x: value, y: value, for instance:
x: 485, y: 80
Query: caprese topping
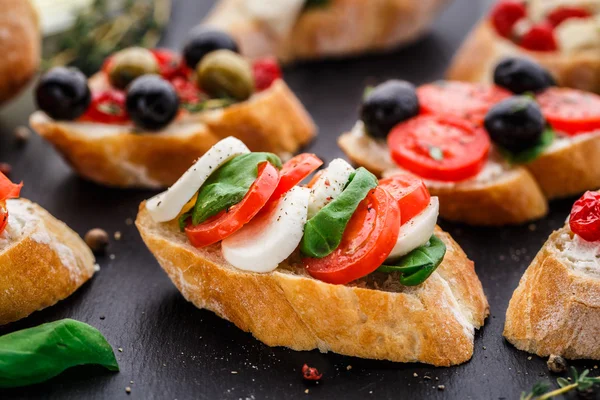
x: 151, y: 88
x: 584, y: 220
x: 8, y: 190
x: 344, y: 225
x: 447, y: 134
x: 512, y: 20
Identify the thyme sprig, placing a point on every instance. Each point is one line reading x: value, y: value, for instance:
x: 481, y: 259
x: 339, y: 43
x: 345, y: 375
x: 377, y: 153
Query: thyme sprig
x: 103, y: 29
x: 580, y: 382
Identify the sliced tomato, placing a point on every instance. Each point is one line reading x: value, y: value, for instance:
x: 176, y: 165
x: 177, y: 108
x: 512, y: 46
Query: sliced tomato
x: 107, y: 107
x: 460, y: 99
x: 368, y: 239
x: 230, y: 221
x: 8, y: 190
x: 441, y: 148
x: 505, y: 15
x: 294, y: 171
x: 410, y: 192
x: 561, y: 14
x: 570, y: 111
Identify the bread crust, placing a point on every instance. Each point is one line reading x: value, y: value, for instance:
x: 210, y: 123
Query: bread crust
x: 44, y: 265
x: 273, y: 120
x: 555, y: 310
x: 483, y: 49
x: 513, y: 198
x: 19, y: 46
x: 342, y: 28
x: 432, y: 323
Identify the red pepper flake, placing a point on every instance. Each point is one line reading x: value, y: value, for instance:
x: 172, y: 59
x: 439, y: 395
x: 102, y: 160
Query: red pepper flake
x: 311, y: 374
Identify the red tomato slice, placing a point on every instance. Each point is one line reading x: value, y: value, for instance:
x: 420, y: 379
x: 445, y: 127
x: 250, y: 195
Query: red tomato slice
x: 294, y: 171
x: 107, y: 107
x: 439, y: 147
x: 460, y: 99
x: 410, y: 192
x: 8, y: 190
x: 561, y: 14
x: 505, y: 15
x: 228, y: 222
x: 570, y: 111
x: 368, y: 239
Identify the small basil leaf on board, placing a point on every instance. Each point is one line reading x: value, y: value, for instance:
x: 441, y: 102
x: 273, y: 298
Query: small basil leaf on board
x: 227, y: 186
x: 531, y: 153
x: 416, y: 266
x: 323, y: 232
x: 37, y: 354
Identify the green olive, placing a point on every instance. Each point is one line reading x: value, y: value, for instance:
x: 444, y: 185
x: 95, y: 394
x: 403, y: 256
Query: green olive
x: 224, y: 73
x: 131, y: 63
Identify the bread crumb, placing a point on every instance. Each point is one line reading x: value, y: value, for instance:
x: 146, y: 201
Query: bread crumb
x: 306, y: 391
x: 529, y: 358
x: 129, y: 221
x: 556, y: 364
x: 441, y: 387
x: 112, y: 256
x: 117, y: 235
x: 120, y: 349
x: 128, y: 390
x: 234, y: 372
x: 416, y: 375
x: 22, y: 134
x: 532, y: 227
x: 349, y: 367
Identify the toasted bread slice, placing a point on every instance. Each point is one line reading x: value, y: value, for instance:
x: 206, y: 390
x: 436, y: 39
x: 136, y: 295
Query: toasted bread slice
x: 118, y: 155
x: 483, y: 49
x: 556, y: 307
x: 42, y: 261
x: 339, y: 28
x: 375, y: 318
x: 508, y: 196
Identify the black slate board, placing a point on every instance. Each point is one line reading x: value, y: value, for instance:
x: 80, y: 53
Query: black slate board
x: 171, y: 350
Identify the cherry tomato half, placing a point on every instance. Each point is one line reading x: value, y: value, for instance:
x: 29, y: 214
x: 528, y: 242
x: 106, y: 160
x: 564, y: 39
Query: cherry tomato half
x: 460, y: 99
x: 107, y: 107
x: 438, y: 147
x: 505, y: 15
x: 8, y: 190
x: 561, y: 14
x: 585, y: 217
x: 230, y: 221
x: 368, y: 239
x: 540, y: 37
x: 570, y: 111
x: 266, y: 71
x: 410, y: 192
x: 294, y: 171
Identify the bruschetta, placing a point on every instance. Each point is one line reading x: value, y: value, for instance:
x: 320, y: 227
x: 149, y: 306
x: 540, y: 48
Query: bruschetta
x: 42, y: 261
x: 493, y: 154
x: 239, y: 236
x: 149, y: 114
x: 556, y: 307
x: 310, y: 29
x: 561, y: 35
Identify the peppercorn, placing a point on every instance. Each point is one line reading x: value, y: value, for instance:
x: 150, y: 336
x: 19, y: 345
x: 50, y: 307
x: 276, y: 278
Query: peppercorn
x: 97, y: 240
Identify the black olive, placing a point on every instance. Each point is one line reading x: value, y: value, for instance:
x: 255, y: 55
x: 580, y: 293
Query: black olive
x: 387, y: 105
x: 516, y: 123
x: 63, y: 93
x: 520, y: 75
x: 152, y: 102
x: 203, y: 40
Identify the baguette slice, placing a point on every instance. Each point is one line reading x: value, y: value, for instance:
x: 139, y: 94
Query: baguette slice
x: 339, y: 28
x: 42, y: 261
x: 118, y: 155
x: 432, y: 323
x: 483, y: 49
x: 513, y: 197
x: 556, y: 307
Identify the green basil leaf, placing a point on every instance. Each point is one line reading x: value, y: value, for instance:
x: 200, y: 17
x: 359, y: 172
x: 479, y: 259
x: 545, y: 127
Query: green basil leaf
x: 323, y: 232
x: 227, y: 186
x: 419, y: 264
x: 37, y: 354
x: 531, y: 153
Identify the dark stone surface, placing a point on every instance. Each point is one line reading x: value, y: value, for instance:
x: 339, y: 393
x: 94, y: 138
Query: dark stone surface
x: 171, y: 350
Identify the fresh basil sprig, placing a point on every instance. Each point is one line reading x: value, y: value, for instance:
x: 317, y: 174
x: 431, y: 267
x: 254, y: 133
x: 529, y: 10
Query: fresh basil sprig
x: 531, y: 153
x: 323, y: 232
x: 227, y: 186
x: 37, y: 354
x: 419, y: 264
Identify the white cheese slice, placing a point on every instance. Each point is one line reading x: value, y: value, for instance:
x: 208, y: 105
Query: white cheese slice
x: 167, y: 205
x: 330, y: 184
x: 417, y: 231
x: 578, y: 34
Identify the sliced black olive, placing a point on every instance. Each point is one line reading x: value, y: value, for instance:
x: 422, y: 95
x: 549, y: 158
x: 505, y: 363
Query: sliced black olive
x: 152, y: 102
x: 203, y: 40
x: 521, y: 75
x: 63, y: 93
x: 387, y: 105
x: 516, y: 123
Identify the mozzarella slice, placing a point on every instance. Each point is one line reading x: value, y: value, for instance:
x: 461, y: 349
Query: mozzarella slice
x: 262, y: 244
x: 577, y: 34
x: 330, y: 184
x: 417, y: 231
x: 167, y: 205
